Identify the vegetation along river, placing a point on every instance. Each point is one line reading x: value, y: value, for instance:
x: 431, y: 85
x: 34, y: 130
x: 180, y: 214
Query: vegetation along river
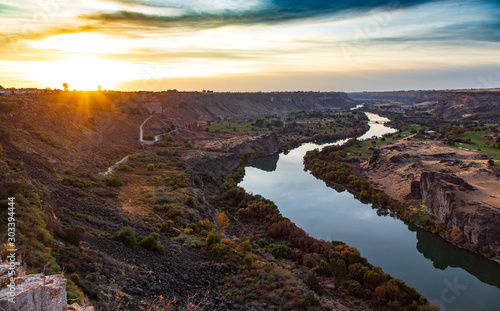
x: 451, y: 278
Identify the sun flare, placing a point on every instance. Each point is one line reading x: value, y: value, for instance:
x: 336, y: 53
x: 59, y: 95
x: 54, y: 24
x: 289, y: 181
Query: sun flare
x: 81, y: 73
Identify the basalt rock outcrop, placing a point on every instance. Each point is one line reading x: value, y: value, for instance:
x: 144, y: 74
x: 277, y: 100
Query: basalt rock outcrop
x: 35, y: 292
x: 479, y: 221
x: 265, y: 144
x: 482, y: 105
x: 455, y: 185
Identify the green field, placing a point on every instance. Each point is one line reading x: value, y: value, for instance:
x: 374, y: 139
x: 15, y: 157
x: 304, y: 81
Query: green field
x: 364, y: 145
x: 244, y: 124
x: 478, y: 141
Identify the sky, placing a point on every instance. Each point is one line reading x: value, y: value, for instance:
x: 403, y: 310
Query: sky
x: 250, y: 45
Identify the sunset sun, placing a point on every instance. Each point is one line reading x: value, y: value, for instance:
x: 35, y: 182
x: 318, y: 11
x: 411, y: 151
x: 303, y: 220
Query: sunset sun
x: 80, y: 72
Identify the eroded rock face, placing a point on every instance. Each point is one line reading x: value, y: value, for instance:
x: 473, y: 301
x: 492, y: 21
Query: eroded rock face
x: 479, y: 221
x: 455, y: 185
x: 265, y: 144
x: 36, y: 292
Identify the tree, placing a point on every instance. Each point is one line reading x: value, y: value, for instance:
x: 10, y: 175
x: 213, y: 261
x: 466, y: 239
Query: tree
x: 222, y: 221
x: 99, y: 88
x: 65, y: 86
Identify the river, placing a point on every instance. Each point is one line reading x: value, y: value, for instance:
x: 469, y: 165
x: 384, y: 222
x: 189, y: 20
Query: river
x: 451, y: 278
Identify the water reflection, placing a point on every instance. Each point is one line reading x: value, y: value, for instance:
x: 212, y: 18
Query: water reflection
x: 444, y: 255
x: 267, y: 163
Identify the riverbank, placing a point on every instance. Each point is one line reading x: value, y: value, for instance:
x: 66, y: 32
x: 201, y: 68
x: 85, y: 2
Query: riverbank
x: 456, y: 186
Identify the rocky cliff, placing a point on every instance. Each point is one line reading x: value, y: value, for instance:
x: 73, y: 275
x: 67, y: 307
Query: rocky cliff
x: 454, y: 185
x: 479, y: 221
x: 265, y: 144
x: 200, y: 107
x: 481, y: 105
x: 405, y: 97
x: 36, y: 292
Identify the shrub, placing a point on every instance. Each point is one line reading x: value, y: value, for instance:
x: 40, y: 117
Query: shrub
x: 371, y: 279
x: 248, y: 261
x: 114, y: 181
x: 52, y: 142
x: 125, y: 236
x: 246, y: 245
x: 126, y: 167
x: 193, y: 227
x: 212, y: 238
x: 279, y: 250
x: 150, y: 167
x: 354, y: 288
x: 68, y: 171
x: 188, y: 230
x: 339, y: 269
x: 312, y: 282
x: 204, y: 233
x: 151, y: 242
x: 190, y: 201
x: 167, y: 226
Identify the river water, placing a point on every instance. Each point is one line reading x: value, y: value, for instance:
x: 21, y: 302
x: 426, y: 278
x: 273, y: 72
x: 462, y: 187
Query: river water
x: 451, y: 278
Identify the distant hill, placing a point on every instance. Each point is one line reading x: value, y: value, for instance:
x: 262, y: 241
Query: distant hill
x: 192, y: 107
x: 404, y: 97
x: 477, y: 105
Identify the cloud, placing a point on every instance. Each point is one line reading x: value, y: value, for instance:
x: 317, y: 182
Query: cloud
x: 270, y: 12
x: 460, y: 34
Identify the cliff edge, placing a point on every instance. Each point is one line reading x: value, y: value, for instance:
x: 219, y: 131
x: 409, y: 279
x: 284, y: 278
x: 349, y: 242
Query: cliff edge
x: 456, y: 186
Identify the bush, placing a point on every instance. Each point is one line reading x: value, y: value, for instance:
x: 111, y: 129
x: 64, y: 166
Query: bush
x: 126, y: 167
x: 246, y: 245
x: 167, y: 226
x: 150, y: 167
x: 190, y: 201
x: 125, y: 236
x: 248, y: 261
x: 212, y: 238
x: 52, y: 142
x: 151, y: 242
x: 354, y: 288
x: 193, y: 227
x: 312, y: 282
x: 114, y: 181
x: 279, y: 250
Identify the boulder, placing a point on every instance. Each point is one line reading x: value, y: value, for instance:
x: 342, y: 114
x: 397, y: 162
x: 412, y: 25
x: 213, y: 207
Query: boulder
x: 36, y: 292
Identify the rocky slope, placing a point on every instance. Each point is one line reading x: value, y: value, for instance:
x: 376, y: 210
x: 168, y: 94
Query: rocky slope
x: 457, y: 186
x: 405, y: 97
x: 481, y: 105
